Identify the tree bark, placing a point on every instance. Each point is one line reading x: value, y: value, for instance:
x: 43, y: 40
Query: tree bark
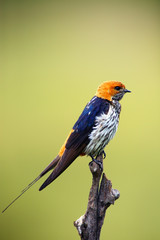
x: 101, y: 196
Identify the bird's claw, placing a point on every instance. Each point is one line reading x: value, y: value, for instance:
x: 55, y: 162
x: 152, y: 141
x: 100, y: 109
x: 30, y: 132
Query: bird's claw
x: 104, y: 154
x: 99, y: 163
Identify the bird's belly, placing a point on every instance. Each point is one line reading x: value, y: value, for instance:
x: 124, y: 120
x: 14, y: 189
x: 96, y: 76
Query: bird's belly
x: 104, y: 130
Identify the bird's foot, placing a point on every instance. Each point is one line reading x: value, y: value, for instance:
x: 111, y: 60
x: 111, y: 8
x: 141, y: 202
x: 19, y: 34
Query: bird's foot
x: 104, y: 154
x: 99, y: 163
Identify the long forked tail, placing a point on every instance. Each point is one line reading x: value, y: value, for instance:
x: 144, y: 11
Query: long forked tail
x: 67, y: 158
x: 48, y: 168
x: 24, y: 190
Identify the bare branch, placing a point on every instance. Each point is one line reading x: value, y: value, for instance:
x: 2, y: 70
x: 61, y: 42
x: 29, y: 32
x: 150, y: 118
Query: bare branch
x: 101, y: 196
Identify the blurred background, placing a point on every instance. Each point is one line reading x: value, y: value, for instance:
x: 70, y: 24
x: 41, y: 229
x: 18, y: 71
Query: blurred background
x: 53, y: 57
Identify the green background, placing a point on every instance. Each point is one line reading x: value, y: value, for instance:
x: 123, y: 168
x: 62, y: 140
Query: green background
x: 53, y: 57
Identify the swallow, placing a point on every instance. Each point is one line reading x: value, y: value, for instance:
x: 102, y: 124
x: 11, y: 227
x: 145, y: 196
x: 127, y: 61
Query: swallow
x: 93, y: 130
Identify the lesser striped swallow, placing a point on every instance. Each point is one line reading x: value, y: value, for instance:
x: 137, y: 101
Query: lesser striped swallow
x: 93, y: 130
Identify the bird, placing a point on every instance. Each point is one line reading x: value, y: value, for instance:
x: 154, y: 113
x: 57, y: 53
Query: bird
x: 93, y: 130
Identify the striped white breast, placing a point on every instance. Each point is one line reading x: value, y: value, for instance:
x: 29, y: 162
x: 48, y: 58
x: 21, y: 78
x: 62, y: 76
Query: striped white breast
x: 104, y: 130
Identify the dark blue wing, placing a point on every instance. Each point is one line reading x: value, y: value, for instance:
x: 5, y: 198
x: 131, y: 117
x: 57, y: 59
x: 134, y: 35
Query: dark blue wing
x: 78, y: 139
x: 86, y: 122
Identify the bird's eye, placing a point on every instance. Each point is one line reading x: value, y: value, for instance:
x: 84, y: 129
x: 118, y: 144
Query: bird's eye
x: 117, y: 88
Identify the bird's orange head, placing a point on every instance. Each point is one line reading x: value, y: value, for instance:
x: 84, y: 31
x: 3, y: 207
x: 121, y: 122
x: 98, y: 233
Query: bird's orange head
x: 112, y: 90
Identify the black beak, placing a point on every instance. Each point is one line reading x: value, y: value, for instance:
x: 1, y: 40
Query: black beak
x: 126, y: 90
